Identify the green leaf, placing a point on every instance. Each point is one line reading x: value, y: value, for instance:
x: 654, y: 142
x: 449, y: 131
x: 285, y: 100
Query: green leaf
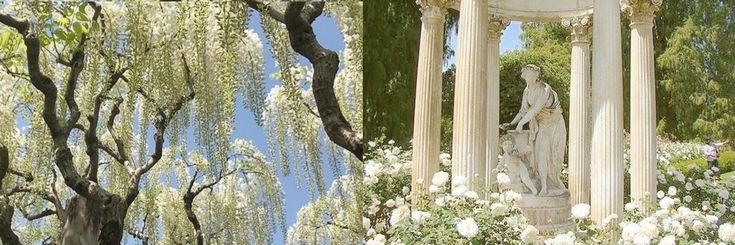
x: 44, y: 40
x: 62, y: 22
x: 60, y: 34
x: 82, y: 16
x: 79, y: 29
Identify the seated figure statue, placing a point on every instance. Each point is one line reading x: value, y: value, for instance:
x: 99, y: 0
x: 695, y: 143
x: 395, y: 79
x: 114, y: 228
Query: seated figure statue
x: 520, y: 181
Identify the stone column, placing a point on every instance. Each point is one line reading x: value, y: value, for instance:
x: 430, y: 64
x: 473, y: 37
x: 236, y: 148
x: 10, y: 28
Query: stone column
x: 606, y: 152
x: 427, y: 113
x: 496, y: 26
x: 642, y: 102
x: 470, y: 96
x: 579, y: 100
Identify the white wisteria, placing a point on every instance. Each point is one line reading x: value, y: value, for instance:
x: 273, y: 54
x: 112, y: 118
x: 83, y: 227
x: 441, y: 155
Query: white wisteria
x: 128, y: 111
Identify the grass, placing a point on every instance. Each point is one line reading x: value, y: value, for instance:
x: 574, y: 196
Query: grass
x: 726, y: 164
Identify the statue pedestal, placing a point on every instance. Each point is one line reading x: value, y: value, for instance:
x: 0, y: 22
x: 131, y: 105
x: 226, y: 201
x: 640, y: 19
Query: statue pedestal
x: 547, y: 213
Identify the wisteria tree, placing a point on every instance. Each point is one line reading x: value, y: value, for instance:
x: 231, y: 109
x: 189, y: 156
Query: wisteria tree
x: 116, y: 119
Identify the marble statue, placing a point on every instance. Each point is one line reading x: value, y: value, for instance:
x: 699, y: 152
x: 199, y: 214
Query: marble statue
x: 541, y: 110
x: 533, y: 158
x: 516, y: 169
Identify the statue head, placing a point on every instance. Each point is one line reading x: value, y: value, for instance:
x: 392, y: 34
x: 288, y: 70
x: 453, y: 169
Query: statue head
x: 507, y: 142
x: 530, y: 73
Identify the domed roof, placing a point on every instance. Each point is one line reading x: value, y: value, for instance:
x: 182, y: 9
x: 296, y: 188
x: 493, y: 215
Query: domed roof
x: 537, y: 10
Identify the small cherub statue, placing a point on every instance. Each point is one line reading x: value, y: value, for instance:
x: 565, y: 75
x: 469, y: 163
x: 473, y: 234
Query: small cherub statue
x: 517, y: 172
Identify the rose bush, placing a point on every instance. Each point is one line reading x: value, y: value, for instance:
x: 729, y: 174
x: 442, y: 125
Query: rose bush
x: 693, y: 206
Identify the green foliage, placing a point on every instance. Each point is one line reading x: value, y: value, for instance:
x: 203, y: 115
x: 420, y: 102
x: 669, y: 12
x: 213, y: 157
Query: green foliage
x: 726, y: 162
x: 554, y: 63
x: 391, y: 55
x: 696, y: 69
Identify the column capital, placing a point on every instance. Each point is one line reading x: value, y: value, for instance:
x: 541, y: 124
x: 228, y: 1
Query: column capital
x: 433, y: 10
x: 496, y: 25
x: 579, y: 26
x: 640, y: 11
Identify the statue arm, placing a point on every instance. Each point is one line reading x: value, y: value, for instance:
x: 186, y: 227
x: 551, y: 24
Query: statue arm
x: 522, y: 111
x: 537, y: 106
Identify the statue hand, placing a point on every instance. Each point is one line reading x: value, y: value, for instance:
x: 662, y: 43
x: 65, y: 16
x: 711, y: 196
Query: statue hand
x: 504, y: 126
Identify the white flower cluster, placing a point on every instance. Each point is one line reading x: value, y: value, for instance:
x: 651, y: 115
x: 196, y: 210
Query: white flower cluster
x: 396, y: 216
x: 390, y: 161
x: 688, y: 210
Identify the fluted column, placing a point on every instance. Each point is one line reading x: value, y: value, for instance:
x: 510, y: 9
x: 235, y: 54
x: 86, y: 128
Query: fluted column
x: 607, y: 112
x: 642, y: 102
x: 470, y: 96
x: 579, y: 100
x: 496, y: 25
x: 427, y: 113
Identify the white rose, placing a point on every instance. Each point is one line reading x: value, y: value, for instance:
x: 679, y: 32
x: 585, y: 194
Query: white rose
x: 530, y: 234
x: 727, y: 232
x: 365, y: 223
x: 390, y: 203
x: 459, y: 180
x: 649, y: 230
x: 380, y: 226
x: 440, y: 178
x: 723, y: 193
x: 581, y: 211
x: 609, y: 219
x: 672, y: 191
x: 688, y: 198
x: 668, y: 240
x: 440, y: 202
x: 680, y: 177
x: 630, y: 230
x: 418, y: 217
x: 660, y: 194
x: 641, y: 239
x: 697, y: 225
x: 712, y: 219
x: 503, y: 179
x: 689, y: 186
x: 498, y: 209
x: 372, y: 168
x: 467, y: 228
x: 405, y: 190
x: 458, y: 191
x: 699, y: 182
x: 399, y: 214
x: 445, y: 159
x: 666, y: 203
x: 472, y: 195
x: 630, y: 206
x: 378, y: 239
x: 434, y: 189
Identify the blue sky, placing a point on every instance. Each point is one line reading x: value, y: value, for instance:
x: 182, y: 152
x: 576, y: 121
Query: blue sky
x: 329, y: 35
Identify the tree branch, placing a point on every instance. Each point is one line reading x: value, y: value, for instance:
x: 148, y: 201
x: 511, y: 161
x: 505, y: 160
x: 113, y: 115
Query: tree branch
x: 326, y: 64
x: 111, y: 128
x: 7, y: 236
x: 266, y: 9
x: 32, y: 217
x: 190, y: 195
x: 165, y: 114
x: 62, y: 155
